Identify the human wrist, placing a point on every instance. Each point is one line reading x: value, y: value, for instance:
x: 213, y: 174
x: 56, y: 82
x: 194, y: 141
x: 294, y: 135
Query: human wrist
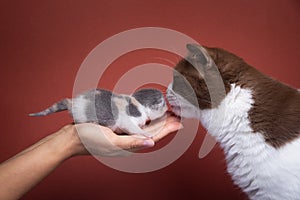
x: 68, y: 143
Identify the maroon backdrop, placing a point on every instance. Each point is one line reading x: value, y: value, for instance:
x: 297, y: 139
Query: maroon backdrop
x: 43, y: 44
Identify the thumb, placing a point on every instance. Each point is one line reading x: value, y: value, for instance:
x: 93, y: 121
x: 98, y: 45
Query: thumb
x: 133, y: 142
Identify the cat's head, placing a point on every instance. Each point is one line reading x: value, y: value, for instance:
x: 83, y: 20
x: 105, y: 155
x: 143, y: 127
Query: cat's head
x: 201, y: 80
x: 153, y: 101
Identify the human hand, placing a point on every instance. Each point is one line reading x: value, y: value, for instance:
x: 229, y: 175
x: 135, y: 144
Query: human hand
x: 102, y: 141
x: 71, y: 140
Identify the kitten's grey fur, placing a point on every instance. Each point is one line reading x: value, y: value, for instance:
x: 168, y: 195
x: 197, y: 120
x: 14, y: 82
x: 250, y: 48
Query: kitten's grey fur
x: 121, y: 113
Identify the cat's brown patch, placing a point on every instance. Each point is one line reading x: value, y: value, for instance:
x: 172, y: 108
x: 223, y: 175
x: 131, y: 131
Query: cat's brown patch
x: 276, y: 111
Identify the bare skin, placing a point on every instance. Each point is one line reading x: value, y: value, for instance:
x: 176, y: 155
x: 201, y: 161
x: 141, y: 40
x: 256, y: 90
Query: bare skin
x: 26, y: 169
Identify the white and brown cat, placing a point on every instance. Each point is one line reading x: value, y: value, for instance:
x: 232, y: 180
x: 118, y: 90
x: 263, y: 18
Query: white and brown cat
x: 259, y: 123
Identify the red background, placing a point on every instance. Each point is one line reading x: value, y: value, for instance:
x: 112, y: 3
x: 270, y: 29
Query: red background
x: 43, y: 44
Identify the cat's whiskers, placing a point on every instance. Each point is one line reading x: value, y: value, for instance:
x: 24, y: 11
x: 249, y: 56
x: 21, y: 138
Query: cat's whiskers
x: 166, y: 60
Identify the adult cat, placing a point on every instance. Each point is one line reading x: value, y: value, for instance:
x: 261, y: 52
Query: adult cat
x: 255, y: 118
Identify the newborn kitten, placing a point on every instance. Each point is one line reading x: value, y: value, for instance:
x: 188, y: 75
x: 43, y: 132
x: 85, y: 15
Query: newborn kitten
x: 256, y: 120
x: 121, y: 113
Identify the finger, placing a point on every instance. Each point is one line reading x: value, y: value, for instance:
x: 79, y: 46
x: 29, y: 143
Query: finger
x: 156, y: 124
x: 173, y: 118
x: 155, y: 129
x: 168, y: 129
x: 133, y: 142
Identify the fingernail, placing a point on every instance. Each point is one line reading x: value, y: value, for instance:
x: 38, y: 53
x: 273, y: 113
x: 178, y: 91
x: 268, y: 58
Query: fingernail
x: 148, y: 143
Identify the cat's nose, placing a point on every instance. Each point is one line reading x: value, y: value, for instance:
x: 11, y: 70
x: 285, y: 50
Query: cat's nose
x: 170, y: 86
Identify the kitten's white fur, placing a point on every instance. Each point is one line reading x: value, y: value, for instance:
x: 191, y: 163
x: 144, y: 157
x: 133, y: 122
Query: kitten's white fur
x: 259, y: 169
x: 128, y: 123
x: 79, y: 105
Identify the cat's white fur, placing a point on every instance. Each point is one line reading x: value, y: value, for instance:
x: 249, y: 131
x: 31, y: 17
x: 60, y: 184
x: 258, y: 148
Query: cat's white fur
x: 259, y: 169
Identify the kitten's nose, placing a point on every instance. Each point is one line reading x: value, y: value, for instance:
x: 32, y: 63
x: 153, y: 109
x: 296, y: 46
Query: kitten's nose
x: 171, y: 99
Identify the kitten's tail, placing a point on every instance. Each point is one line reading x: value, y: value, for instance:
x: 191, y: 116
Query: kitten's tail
x: 62, y: 105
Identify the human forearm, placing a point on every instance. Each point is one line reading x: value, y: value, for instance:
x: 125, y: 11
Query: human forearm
x: 22, y: 172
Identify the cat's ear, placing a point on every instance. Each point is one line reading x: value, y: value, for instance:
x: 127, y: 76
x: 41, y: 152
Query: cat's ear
x: 199, y: 58
x: 197, y: 53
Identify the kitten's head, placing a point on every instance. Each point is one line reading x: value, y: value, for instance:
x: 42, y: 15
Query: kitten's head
x: 201, y: 80
x: 153, y: 101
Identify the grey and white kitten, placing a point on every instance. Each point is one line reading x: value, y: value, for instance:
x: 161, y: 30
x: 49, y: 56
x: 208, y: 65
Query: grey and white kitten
x: 121, y: 113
